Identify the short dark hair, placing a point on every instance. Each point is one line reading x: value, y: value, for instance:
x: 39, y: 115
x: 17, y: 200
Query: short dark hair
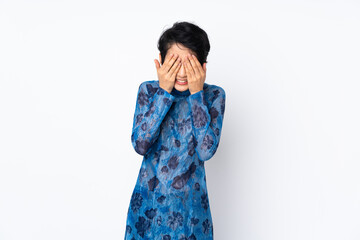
x: 187, y: 34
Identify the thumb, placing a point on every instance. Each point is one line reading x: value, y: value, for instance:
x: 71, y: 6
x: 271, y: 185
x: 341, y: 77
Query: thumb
x: 156, y: 63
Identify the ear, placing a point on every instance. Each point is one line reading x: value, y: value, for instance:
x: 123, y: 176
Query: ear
x: 204, y: 67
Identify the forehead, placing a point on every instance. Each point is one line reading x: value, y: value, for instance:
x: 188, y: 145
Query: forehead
x: 179, y: 49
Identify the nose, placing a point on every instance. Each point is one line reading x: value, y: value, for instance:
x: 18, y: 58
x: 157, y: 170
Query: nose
x: 181, y: 73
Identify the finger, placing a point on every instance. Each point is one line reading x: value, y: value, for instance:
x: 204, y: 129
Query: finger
x: 167, y: 57
x: 168, y: 64
x: 189, y: 67
x: 189, y: 73
x: 175, y: 66
x: 193, y: 61
x: 157, y: 64
x: 176, y: 70
x: 200, y: 69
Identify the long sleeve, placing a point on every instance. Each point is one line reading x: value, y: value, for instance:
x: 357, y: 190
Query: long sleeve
x: 206, y: 122
x: 152, y: 105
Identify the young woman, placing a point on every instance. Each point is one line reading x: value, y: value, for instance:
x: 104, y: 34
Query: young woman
x: 177, y: 127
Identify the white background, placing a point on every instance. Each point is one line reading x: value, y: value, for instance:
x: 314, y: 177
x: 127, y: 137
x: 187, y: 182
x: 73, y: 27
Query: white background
x: 287, y: 166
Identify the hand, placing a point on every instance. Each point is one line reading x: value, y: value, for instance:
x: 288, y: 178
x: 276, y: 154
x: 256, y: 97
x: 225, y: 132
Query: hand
x: 167, y: 72
x: 195, y: 73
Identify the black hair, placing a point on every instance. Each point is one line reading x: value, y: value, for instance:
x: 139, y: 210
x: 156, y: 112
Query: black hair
x: 187, y: 34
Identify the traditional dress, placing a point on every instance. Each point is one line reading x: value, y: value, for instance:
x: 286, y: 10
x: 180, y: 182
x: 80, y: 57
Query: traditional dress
x: 175, y: 133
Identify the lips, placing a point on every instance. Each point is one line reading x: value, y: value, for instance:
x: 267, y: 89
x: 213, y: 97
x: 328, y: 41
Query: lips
x: 181, y: 82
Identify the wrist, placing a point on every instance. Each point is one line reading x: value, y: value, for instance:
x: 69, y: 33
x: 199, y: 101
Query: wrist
x: 196, y: 91
x: 166, y: 89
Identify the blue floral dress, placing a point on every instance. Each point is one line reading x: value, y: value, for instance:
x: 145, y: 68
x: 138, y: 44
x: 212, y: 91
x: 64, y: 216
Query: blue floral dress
x: 176, y: 133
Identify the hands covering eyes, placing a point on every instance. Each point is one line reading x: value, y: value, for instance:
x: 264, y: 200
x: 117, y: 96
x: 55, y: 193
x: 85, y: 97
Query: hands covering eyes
x: 196, y: 73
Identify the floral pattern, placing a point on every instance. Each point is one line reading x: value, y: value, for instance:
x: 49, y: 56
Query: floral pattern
x: 199, y: 116
x: 142, y: 225
x: 175, y: 220
x: 204, y: 201
x: 184, y: 125
x: 176, y: 133
x: 207, y: 226
x: 173, y: 162
x: 136, y: 201
x: 143, y: 98
x: 208, y: 142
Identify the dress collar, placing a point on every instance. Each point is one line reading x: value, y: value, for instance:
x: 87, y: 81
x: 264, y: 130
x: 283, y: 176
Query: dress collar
x: 180, y: 93
x: 186, y: 93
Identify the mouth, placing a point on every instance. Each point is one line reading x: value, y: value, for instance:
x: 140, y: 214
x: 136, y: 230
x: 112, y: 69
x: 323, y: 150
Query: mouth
x: 181, y: 82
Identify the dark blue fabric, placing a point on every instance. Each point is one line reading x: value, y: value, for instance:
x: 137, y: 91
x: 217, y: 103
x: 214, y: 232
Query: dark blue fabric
x: 175, y: 133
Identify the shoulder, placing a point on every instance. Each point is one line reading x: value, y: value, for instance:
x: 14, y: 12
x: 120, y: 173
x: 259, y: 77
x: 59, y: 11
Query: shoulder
x: 153, y: 83
x: 213, y: 92
x: 149, y: 87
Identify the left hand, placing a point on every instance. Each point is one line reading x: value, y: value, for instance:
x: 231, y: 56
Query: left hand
x: 195, y: 73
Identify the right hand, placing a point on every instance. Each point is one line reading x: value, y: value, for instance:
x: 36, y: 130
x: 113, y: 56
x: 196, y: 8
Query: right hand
x: 167, y: 72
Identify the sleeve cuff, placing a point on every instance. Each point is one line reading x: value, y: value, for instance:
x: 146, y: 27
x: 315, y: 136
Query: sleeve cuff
x: 198, y: 97
x: 165, y: 93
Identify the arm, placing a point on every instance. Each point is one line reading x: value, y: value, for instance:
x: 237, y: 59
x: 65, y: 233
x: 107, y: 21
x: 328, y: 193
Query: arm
x: 206, y: 122
x: 152, y: 104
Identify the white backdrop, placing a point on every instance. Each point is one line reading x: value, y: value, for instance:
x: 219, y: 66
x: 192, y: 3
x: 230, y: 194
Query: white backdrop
x: 287, y: 166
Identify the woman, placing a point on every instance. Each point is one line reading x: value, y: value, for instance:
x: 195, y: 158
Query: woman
x: 177, y: 127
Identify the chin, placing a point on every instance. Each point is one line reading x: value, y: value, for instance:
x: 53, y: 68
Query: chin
x: 181, y: 87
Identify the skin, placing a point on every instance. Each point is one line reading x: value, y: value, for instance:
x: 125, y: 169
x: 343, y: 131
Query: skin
x: 180, y: 63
